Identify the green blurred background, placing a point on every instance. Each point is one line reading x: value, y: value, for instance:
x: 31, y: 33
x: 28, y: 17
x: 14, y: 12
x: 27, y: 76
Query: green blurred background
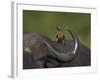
x: 45, y: 22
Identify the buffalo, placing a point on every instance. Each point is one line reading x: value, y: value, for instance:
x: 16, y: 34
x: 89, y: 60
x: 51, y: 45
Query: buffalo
x: 39, y: 51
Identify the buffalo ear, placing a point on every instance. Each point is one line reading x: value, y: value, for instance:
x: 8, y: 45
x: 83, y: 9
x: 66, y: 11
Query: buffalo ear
x: 28, y: 50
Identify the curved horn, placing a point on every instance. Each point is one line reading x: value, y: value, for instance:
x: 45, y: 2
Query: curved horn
x: 55, y: 54
x: 64, y: 57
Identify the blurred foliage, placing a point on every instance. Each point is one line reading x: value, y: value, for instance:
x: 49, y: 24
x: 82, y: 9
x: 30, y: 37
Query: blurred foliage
x: 45, y: 22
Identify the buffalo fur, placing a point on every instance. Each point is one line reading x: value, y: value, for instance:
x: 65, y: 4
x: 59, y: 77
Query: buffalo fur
x: 38, y: 58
